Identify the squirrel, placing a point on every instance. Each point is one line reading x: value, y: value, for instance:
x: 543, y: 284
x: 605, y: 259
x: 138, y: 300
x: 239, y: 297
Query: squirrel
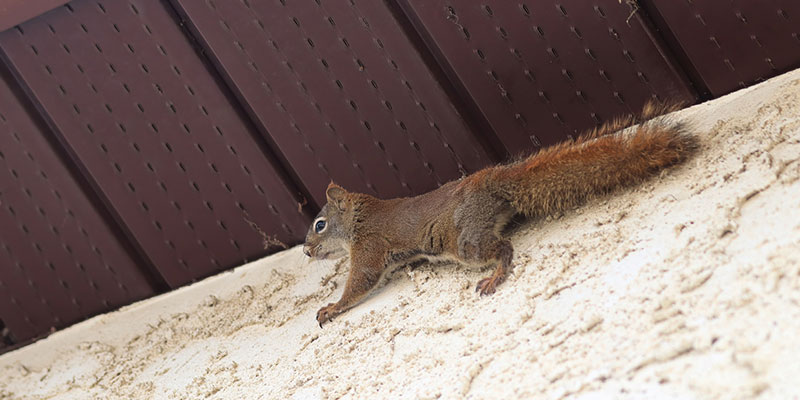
x: 463, y: 220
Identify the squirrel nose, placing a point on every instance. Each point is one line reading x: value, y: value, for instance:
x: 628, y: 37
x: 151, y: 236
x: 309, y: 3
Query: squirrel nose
x: 307, y: 250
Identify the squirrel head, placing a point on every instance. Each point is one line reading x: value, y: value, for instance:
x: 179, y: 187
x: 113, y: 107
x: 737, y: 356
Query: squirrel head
x: 329, y: 234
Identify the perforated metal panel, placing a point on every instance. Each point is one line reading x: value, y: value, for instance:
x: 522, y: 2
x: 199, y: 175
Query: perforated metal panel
x: 735, y: 43
x: 156, y: 134
x: 60, y: 259
x: 542, y: 71
x: 14, y: 12
x: 340, y: 90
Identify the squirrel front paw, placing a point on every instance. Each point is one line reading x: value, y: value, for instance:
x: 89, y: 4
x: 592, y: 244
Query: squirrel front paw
x: 326, y: 313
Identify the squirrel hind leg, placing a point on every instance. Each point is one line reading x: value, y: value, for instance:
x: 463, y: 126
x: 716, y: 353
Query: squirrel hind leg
x: 502, y: 252
x: 489, y: 250
x: 480, y: 219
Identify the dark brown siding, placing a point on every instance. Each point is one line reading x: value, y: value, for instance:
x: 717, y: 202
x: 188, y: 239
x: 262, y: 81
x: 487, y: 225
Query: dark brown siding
x: 13, y: 12
x: 541, y: 72
x: 61, y: 259
x: 340, y: 91
x: 732, y: 44
x: 156, y: 135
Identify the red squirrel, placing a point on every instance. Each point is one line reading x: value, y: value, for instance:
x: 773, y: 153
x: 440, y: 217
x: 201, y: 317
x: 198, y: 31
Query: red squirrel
x: 463, y: 220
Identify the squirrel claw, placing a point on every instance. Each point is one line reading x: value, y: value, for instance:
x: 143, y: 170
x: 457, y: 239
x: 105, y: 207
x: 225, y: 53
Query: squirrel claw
x: 326, y: 314
x: 486, y: 286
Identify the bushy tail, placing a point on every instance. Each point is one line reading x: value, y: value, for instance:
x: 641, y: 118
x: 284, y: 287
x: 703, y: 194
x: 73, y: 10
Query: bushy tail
x: 566, y: 174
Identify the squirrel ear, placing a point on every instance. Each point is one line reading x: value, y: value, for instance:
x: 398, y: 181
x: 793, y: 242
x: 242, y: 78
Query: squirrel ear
x: 336, y: 195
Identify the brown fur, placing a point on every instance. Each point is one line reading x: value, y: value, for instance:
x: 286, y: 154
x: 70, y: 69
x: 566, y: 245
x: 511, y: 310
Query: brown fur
x: 463, y: 220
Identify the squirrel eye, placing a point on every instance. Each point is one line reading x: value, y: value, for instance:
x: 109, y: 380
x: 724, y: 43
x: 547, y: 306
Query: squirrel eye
x: 319, y: 226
